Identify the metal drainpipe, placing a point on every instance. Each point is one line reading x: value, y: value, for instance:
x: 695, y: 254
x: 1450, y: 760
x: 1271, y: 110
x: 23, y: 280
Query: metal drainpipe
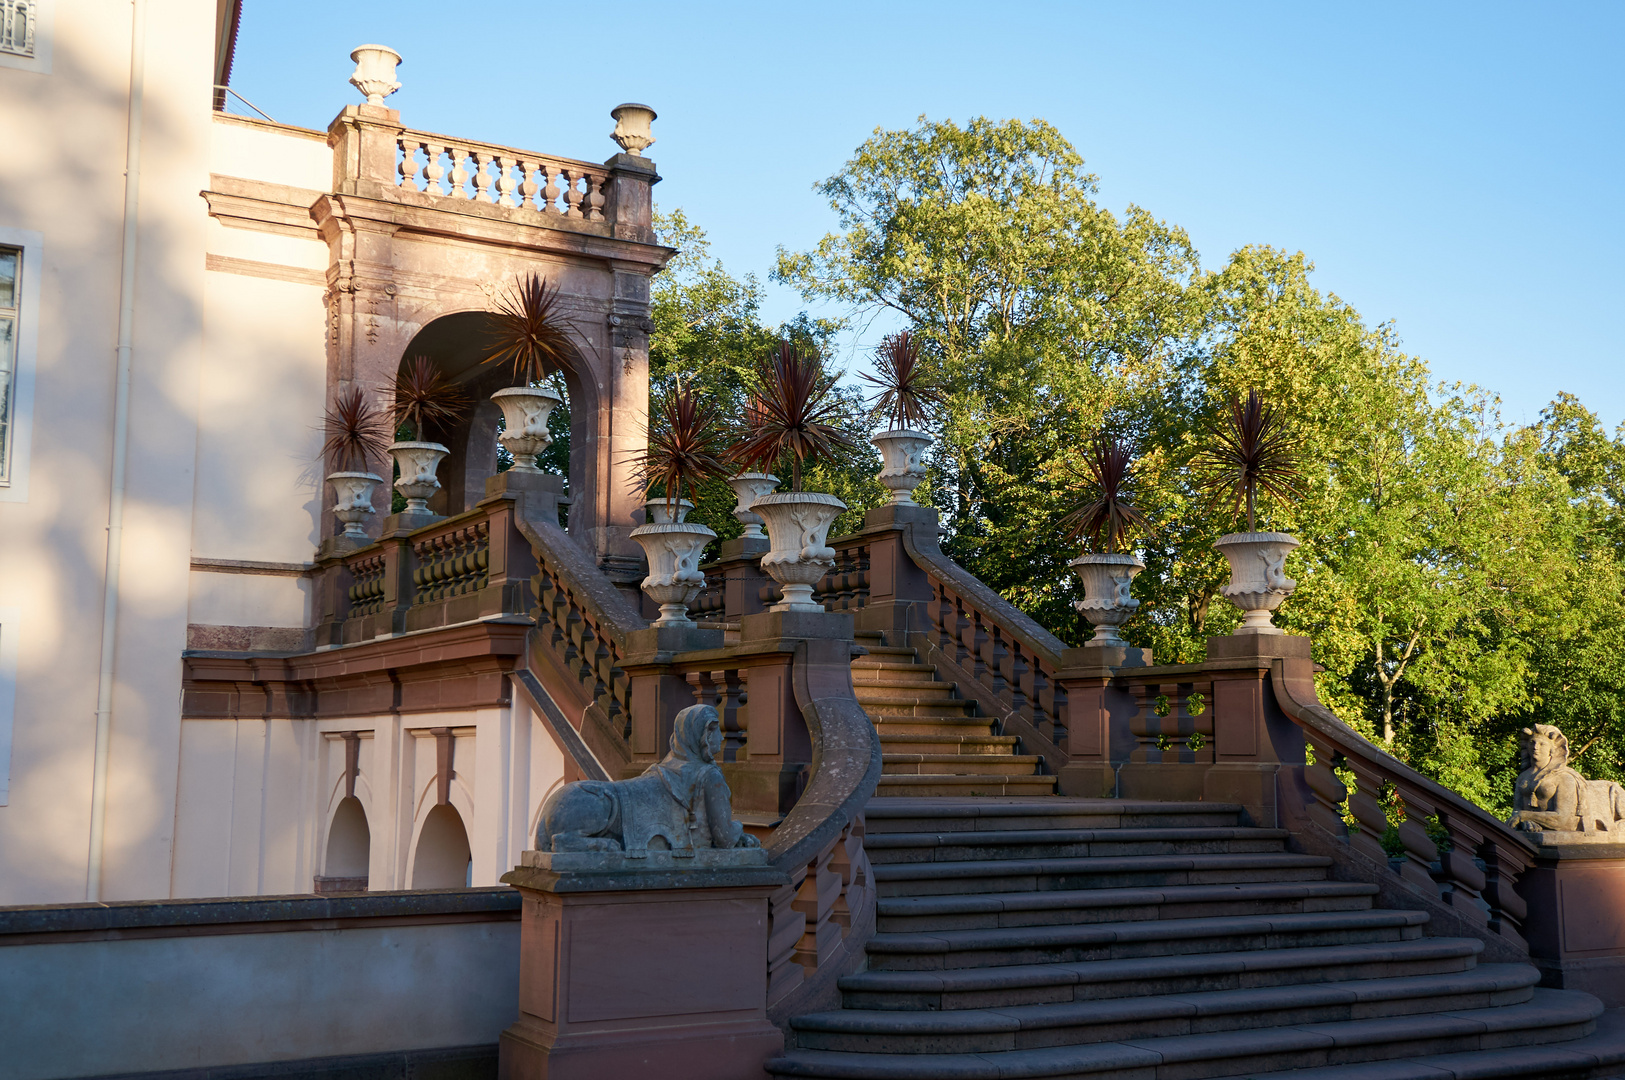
x: 121, y: 439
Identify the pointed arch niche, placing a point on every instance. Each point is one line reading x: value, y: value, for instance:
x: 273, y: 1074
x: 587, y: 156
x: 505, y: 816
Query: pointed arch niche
x: 457, y: 344
x: 443, y: 859
x: 349, y: 850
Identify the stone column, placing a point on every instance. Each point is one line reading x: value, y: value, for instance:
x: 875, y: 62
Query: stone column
x: 1576, y: 921
x: 633, y: 968
x: 1097, y: 718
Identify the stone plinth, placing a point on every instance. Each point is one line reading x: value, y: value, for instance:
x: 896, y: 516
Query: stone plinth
x: 653, y: 967
x: 1576, y: 921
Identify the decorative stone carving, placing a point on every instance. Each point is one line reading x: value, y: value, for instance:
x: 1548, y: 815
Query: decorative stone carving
x: 750, y: 487
x: 375, y: 72
x: 1552, y: 798
x: 673, y: 549
x: 418, y: 462
x: 632, y: 127
x: 1258, y: 581
x: 525, y: 410
x: 902, y: 455
x: 681, y: 804
x: 354, y: 490
x: 667, y: 511
x: 1106, y: 601
x: 798, y: 530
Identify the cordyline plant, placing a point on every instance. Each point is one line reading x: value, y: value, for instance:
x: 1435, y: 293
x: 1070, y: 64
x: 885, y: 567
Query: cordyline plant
x: 422, y: 396
x: 685, y: 447
x: 1252, y: 448
x: 791, y: 408
x: 1107, y: 519
x: 356, y: 431
x: 906, y: 398
x: 529, y: 332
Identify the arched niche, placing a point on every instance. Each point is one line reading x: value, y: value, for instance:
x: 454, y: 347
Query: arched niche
x: 349, y: 841
x: 443, y: 860
x: 458, y: 344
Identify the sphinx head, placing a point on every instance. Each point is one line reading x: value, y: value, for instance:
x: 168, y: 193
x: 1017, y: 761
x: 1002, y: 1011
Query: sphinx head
x: 1543, y: 747
x: 696, y: 734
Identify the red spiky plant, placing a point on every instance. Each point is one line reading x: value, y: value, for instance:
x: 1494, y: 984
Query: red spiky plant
x: 529, y: 331
x: 1252, y: 449
x: 357, y: 432
x: 685, y: 447
x: 422, y: 396
x: 906, y: 397
x: 793, y: 405
x: 1108, y: 518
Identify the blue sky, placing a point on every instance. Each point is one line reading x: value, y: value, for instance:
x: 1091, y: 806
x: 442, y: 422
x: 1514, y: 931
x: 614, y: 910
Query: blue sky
x: 1452, y: 168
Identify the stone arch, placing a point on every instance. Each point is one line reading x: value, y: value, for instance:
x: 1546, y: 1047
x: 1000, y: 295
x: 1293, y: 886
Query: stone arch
x: 442, y: 858
x: 349, y: 841
x: 457, y: 343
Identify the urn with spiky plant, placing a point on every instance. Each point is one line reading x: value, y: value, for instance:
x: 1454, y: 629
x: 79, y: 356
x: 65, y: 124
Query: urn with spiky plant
x: 530, y: 333
x: 357, y: 435
x: 685, y: 450
x: 791, y: 412
x: 423, y: 402
x: 1104, y: 522
x: 905, y: 399
x: 1251, y: 450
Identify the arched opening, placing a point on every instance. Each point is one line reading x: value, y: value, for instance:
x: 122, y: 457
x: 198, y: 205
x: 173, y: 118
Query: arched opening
x: 349, y: 850
x: 457, y: 344
x: 443, y: 860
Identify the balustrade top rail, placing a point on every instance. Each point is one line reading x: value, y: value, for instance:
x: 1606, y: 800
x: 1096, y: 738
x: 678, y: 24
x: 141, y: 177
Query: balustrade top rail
x: 441, y: 167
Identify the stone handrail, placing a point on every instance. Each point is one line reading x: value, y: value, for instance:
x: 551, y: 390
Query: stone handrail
x: 443, y: 168
x: 1475, y: 873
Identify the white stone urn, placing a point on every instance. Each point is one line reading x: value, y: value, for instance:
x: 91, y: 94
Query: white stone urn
x: 632, y: 127
x: 1258, y: 581
x: 674, y: 580
x: 750, y: 487
x: 417, y: 462
x: 1106, y: 601
x: 902, y: 455
x: 375, y: 72
x: 798, y: 530
x: 525, y: 410
x: 664, y: 512
x: 354, y: 508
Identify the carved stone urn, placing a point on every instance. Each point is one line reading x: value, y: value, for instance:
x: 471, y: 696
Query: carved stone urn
x: 354, y: 507
x: 798, y: 530
x: 1106, y: 601
x: 902, y: 455
x: 663, y: 512
x: 750, y: 487
x: 673, y: 549
x: 417, y: 462
x: 525, y: 410
x: 375, y: 72
x: 632, y: 123
x: 1258, y: 581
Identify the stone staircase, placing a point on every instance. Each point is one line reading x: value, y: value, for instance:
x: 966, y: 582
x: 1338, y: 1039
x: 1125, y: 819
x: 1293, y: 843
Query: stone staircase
x: 932, y: 742
x: 1118, y: 940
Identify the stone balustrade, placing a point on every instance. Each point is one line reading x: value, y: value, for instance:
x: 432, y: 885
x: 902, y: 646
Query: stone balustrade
x: 445, y: 169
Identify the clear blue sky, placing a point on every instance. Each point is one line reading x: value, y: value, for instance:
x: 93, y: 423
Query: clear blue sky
x: 1452, y: 168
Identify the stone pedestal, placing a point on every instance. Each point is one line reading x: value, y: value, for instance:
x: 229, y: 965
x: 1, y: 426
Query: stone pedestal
x: 1576, y: 921
x: 642, y: 968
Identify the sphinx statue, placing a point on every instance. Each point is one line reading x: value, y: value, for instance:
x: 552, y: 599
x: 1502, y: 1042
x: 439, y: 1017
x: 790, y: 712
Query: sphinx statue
x: 1552, y: 797
x: 680, y: 804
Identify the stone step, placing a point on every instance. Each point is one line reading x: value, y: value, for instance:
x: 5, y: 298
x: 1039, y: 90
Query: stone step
x: 899, y: 677
x: 1068, y: 843
x: 952, y: 742
x: 893, y: 815
x: 940, y: 786
x: 1550, y: 1016
x: 926, y: 723
x: 873, y: 667
x: 912, y: 914
x: 1106, y: 872
x: 1006, y: 764
x: 1022, y: 1027
x: 1149, y: 976
x: 891, y: 698
x: 1021, y: 945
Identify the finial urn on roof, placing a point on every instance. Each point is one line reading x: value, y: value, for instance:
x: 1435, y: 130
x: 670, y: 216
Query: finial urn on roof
x: 375, y: 72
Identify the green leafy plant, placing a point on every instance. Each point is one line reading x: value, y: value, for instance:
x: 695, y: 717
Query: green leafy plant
x: 356, y: 431
x: 906, y: 398
x: 1252, y: 448
x: 685, y: 447
x: 1107, y: 518
x: 529, y: 331
x: 790, y: 412
x: 423, y: 396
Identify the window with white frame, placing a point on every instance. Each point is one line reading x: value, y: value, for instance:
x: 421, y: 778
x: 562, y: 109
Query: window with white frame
x: 11, y: 266
x: 17, y: 26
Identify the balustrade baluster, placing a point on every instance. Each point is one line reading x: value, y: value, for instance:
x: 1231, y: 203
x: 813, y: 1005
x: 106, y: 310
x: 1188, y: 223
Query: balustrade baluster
x: 595, y: 197
x: 433, y: 171
x: 863, y: 578
x: 482, y: 176
x: 408, y: 167
x: 998, y: 654
x: 459, y: 175
x: 1018, y: 672
x: 550, y: 194
x: 505, y: 181
x: 1041, y: 716
x: 572, y: 194
x: 527, y: 183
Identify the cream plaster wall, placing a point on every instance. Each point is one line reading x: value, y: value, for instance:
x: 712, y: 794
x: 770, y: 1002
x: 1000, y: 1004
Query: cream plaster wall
x: 242, y: 599
x: 270, y: 153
